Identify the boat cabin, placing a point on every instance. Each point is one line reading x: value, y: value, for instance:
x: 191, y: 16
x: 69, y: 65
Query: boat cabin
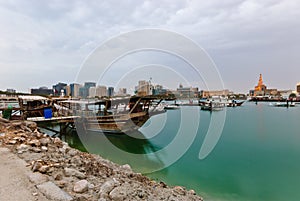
x: 33, y: 106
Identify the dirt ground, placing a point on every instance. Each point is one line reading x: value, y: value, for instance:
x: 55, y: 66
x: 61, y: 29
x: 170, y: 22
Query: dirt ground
x: 14, y: 183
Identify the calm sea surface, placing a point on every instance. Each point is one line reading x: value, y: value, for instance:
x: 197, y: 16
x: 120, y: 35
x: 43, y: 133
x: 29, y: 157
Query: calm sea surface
x: 256, y: 158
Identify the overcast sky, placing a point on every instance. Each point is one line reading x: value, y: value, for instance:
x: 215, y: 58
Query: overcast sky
x: 45, y: 42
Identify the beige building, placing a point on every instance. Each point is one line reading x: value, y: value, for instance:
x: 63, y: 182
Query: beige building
x: 271, y: 92
x: 122, y: 92
x: 68, y: 90
x: 98, y: 91
x: 187, y: 92
x: 144, y: 88
x: 206, y: 94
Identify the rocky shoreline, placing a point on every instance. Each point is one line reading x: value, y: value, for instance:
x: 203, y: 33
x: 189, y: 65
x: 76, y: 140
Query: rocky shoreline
x: 60, y: 172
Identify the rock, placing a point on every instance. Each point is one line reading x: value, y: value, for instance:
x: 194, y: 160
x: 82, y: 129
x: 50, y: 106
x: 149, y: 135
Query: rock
x: 37, y: 178
x: 36, y: 166
x: 44, y: 148
x: 53, y: 192
x: 45, y: 141
x: 65, y: 144
x: 102, y: 199
x: 72, y: 152
x: 16, y: 123
x: 192, y: 192
x: 35, y: 149
x: 57, y: 142
x: 44, y: 169
x: 81, y: 186
x: 25, y: 128
x: 61, y: 184
x: 141, y: 194
x: 62, y: 150
x: 19, y: 139
x: 126, y: 168
x: 58, y: 176
x: 34, y: 143
x: 66, y: 148
x: 91, y: 186
x: 39, y: 135
x: 118, y: 193
x: 22, y: 148
x: 107, y: 187
x: 30, y: 124
x: 179, y: 190
x: 72, y: 172
x: 162, y: 184
x: 76, y: 160
x: 83, y: 197
x: 4, y: 120
x: 12, y: 142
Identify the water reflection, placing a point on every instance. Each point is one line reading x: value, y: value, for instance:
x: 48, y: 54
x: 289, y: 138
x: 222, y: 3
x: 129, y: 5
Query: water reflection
x: 122, y: 149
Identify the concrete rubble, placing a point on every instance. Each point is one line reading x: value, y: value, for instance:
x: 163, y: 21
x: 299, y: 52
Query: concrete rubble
x: 63, y: 173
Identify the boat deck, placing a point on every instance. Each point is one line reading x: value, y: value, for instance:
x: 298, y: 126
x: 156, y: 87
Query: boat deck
x: 58, y: 119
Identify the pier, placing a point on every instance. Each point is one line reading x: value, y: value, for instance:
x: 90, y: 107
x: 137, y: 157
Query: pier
x: 108, y: 115
x: 63, y: 122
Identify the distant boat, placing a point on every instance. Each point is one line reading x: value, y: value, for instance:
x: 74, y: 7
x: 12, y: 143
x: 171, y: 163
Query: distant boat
x: 234, y: 103
x: 171, y: 107
x: 222, y: 100
x: 283, y: 104
x: 213, y: 104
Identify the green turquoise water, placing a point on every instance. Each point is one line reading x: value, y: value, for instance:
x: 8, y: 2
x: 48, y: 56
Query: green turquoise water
x: 256, y: 158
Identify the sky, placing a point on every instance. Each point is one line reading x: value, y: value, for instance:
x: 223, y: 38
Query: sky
x: 45, y: 42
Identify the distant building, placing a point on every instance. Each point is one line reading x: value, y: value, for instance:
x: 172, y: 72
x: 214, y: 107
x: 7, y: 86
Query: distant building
x: 298, y: 88
x: 74, y: 89
x: 122, y: 92
x: 207, y: 94
x: 110, y: 91
x: 92, y: 92
x: 42, y: 91
x: 89, y: 84
x: 159, y: 90
x: 84, y: 90
x: 260, y: 89
x: 144, y: 88
x: 98, y: 91
x: 101, y: 91
x: 187, y: 92
x: 251, y: 92
x: 58, y: 88
x: 12, y: 91
x: 285, y: 93
x: 271, y: 92
x: 67, y: 90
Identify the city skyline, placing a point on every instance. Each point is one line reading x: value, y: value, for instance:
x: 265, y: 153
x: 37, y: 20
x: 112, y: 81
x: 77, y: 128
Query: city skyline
x: 47, y: 42
x: 132, y: 88
x: 148, y: 87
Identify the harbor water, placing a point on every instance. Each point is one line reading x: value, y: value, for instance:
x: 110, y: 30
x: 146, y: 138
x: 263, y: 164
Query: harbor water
x: 255, y: 159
